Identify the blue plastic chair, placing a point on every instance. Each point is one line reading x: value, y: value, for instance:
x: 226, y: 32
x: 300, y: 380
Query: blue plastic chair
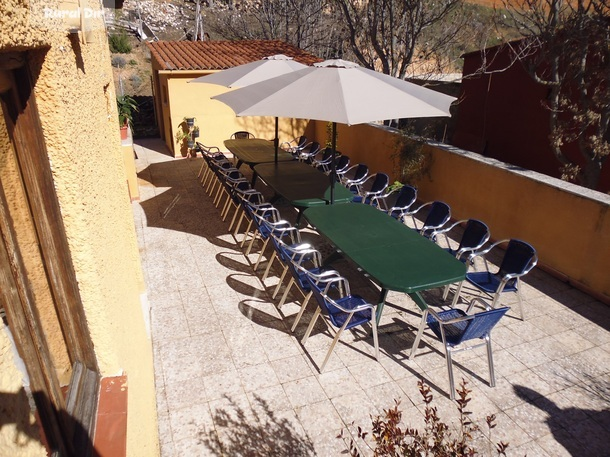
x: 475, y: 235
x: 303, y: 255
x: 353, y: 175
x: 438, y: 215
x: 323, y: 160
x: 519, y: 259
x: 295, y: 145
x: 455, y: 327
x: 308, y: 152
x: 341, y: 165
x: 341, y: 311
x: 397, y: 202
x: 373, y: 186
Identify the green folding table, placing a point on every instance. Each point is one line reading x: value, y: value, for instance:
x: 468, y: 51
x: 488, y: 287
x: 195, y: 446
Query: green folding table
x: 255, y: 151
x: 301, y: 184
x: 393, y: 255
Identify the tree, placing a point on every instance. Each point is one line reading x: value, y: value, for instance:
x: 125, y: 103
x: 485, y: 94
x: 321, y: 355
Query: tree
x: 390, y: 35
x: 308, y: 24
x: 568, y: 52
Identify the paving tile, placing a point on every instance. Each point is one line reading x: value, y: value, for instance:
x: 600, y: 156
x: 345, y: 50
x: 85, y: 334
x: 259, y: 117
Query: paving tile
x: 258, y: 376
x: 190, y: 422
x: 217, y: 333
x: 319, y: 419
x: 220, y: 385
x: 530, y: 418
x: 338, y: 382
x: 177, y: 396
x: 291, y: 368
x: 305, y: 391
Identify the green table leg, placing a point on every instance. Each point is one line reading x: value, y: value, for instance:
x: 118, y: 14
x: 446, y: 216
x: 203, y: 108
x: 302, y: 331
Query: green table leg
x: 381, y: 303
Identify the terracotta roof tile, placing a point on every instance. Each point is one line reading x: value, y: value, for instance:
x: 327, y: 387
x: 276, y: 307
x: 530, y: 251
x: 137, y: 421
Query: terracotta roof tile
x: 220, y: 55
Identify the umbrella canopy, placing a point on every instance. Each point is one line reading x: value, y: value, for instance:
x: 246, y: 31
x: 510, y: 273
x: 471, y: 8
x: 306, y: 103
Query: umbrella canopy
x: 253, y: 72
x: 337, y: 91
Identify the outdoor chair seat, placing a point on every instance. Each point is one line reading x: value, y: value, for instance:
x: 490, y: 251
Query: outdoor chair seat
x: 341, y: 165
x: 518, y: 260
x: 340, y: 311
x: 397, y: 202
x: 293, y: 146
x: 323, y: 160
x: 242, y: 135
x: 353, y: 175
x: 474, y: 237
x: 455, y: 328
x: 438, y: 215
x: 373, y: 186
x: 307, y: 152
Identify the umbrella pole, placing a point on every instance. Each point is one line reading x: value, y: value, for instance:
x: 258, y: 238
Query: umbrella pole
x: 276, y: 140
x: 333, y: 169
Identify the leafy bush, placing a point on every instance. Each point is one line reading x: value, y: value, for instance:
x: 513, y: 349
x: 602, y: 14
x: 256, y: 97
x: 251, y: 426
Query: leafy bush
x: 435, y: 440
x: 118, y: 61
x: 136, y: 81
x: 119, y: 43
x: 126, y: 106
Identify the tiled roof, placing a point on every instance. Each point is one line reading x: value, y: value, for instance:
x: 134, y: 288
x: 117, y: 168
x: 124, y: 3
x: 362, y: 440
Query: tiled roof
x: 220, y: 55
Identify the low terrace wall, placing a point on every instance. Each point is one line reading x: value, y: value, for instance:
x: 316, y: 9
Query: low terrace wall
x: 567, y: 224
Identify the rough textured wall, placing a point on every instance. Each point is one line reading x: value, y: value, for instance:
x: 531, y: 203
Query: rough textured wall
x: 217, y: 122
x: 76, y: 100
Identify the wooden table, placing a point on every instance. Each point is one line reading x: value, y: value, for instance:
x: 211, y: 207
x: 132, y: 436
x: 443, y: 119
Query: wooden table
x: 395, y: 256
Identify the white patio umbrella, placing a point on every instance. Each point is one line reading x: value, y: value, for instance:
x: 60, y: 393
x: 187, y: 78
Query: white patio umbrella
x: 337, y: 91
x: 252, y: 73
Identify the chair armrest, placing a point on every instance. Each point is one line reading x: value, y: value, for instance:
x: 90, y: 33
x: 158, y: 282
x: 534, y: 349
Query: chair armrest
x: 485, y: 304
x: 362, y: 307
x: 444, y: 230
x: 416, y: 210
x: 484, y: 252
x: 455, y: 320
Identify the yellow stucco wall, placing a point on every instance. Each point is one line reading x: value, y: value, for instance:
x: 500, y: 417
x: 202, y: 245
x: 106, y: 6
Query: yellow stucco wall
x: 76, y: 101
x: 215, y: 119
x: 568, y: 225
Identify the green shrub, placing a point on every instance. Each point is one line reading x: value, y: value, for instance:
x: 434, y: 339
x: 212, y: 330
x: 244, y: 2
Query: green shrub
x: 119, y: 43
x: 392, y: 439
x: 118, y: 61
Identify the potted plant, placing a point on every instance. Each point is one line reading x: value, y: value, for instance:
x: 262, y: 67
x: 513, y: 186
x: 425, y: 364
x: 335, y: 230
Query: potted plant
x: 190, y: 121
x: 126, y: 106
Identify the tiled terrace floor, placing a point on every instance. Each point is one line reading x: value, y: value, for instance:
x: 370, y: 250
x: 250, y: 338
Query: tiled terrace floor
x: 233, y: 380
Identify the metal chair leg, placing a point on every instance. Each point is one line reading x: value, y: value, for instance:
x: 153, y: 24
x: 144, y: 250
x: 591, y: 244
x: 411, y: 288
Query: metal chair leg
x: 457, y: 295
x: 271, y: 260
x: 285, y: 295
x: 420, y: 332
x: 311, y: 325
x: 279, y: 283
x: 490, y: 361
x: 301, y: 311
x: 450, y: 370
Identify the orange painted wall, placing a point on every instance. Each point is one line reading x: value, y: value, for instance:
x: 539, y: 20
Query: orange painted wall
x: 567, y: 224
